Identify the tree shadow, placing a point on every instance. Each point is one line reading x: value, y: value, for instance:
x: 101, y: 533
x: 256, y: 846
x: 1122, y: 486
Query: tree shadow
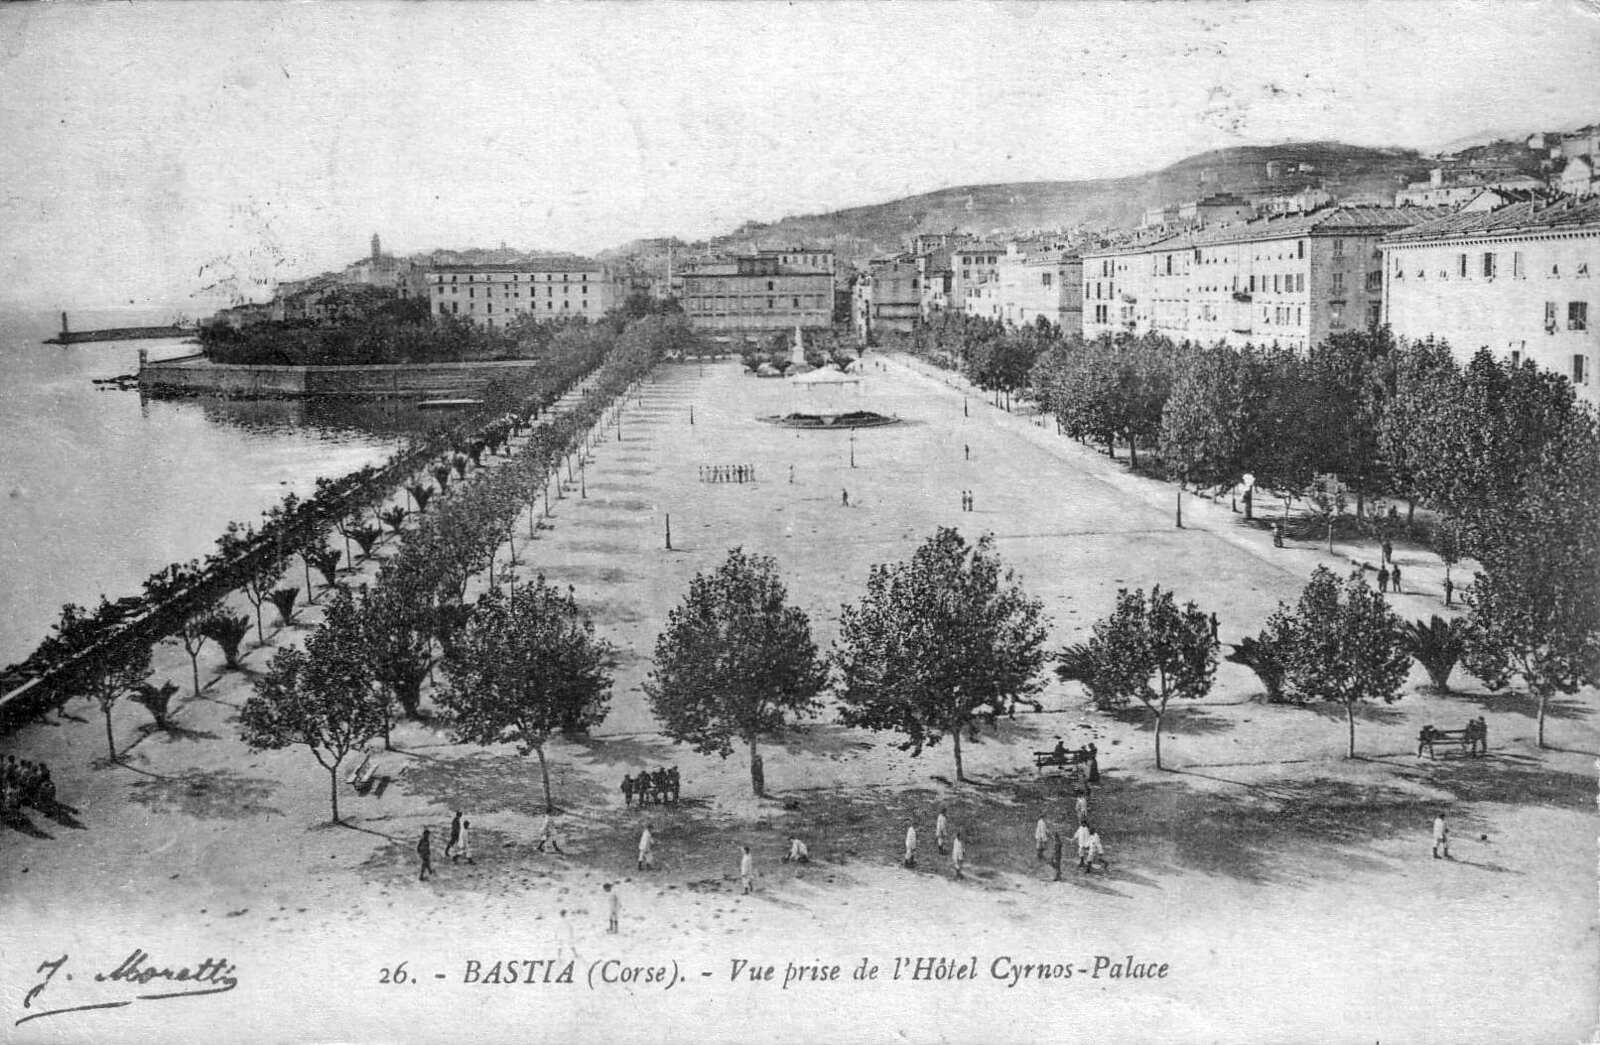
x: 1379, y: 714
x: 215, y: 794
x: 626, y: 753
x: 488, y: 783
x: 61, y: 813
x: 824, y: 739
x: 19, y: 821
x: 1506, y: 778
x: 1521, y: 704
x: 1180, y: 720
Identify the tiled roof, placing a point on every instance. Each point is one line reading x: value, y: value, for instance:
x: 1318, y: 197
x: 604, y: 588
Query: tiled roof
x: 568, y: 264
x: 1329, y: 221
x: 1565, y: 212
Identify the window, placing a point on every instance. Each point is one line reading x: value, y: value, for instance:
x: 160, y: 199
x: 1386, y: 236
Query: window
x: 1516, y: 358
x: 1516, y: 265
x: 1580, y: 370
x: 1044, y: 279
x: 1488, y: 265
x: 769, y: 284
x: 1577, y: 315
x: 1275, y: 287
x: 1252, y: 284
x: 1374, y: 281
x: 1461, y: 265
x: 1338, y: 248
x: 1549, y: 317
x: 1338, y: 282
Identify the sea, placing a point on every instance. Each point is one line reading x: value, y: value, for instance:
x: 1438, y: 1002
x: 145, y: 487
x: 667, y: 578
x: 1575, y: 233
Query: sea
x: 99, y: 488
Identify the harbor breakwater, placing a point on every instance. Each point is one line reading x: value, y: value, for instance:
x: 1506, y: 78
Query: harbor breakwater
x: 196, y: 375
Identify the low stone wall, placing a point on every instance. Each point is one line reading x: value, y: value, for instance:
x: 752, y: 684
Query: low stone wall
x: 195, y: 375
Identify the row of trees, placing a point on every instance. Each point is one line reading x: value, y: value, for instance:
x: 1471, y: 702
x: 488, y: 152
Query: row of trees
x: 1502, y: 452
x: 518, y: 665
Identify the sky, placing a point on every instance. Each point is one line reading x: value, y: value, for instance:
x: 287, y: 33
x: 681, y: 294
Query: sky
x: 167, y: 154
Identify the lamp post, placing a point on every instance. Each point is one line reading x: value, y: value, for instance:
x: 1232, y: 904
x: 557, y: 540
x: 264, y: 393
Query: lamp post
x: 852, y: 448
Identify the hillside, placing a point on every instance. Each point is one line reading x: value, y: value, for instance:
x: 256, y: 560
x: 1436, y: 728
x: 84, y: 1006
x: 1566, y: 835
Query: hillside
x: 1345, y: 170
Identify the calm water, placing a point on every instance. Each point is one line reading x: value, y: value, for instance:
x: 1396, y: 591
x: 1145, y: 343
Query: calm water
x: 100, y: 489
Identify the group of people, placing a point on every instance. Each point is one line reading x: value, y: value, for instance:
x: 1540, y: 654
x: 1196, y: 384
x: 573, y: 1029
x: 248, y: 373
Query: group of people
x: 731, y: 473
x: 1389, y: 576
x: 660, y: 787
x: 966, y: 500
x: 25, y: 783
x: 458, y: 846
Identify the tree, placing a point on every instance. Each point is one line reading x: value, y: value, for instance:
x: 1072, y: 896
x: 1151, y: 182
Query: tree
x: 397, y: 635
x: 284, y: 599
x: 1437, y: 645
x: 228, y: 632
x: 157, y: 700
x: 192, y: 634
x: 936, y: 638
x: 1267, y: 654
x: 260, y: 571
x: 1150, y: 649
x: 735, y: 662
x: 326, y: 560
x: 109, y: 668
x: 319, y: 698
x: 1535, y: 603
x: 1345, y: 646
x: 526, y: 666
x: 1326, y: 495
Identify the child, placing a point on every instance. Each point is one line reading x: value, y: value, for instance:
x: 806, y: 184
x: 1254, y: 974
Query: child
x: 616, y: 908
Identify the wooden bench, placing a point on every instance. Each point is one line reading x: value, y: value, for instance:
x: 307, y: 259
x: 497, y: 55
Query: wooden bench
x: 1043, y: 760
x: 365, y: 775
x: 1430, y: 737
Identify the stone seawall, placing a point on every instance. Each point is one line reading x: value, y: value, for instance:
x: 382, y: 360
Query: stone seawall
x: 195, y: 375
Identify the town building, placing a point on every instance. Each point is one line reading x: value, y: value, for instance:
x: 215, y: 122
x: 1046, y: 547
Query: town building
x: 1448, y: 187
x: 1579, y: 177
x: 1223, y: 208
x: 765, y: 291
x: 494, y: 294
x: 1522, y: 280
x: 971, y: 266
x: 889, y: 297
x: 1288, y: 281
x: 1031, y: 285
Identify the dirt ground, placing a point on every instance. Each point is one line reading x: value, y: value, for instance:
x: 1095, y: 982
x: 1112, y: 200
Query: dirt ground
x: 1290, y: 890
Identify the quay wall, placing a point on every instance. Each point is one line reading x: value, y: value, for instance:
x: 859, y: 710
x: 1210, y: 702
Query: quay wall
x: 192, y: 375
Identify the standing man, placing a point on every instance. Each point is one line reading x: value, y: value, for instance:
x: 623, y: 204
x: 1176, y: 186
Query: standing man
x: 966, y: 450
x: 941, y: 831
x: 455, y: 833
x: 1383, y: 577
x: 844, y: 498
x: 1055, y: 854
x: 1081, y: 837
x: 647, y: 849
x: 1041, y: 835
x: 616, y: 908
x: 958, y: 854
x: 1449, y: 591
x: 1097, y: 853
x: 911, y: 845
x: 1395, y: 577
x: 425, y: 851
x: 627, y: 791
x: 1082, y: 804
x: 1388, y: 551
x: 1441, y: 837
x: 465, y: 849
x: 747, y: 870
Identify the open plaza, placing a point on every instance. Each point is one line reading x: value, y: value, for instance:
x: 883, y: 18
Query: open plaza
x: 1261, y: 856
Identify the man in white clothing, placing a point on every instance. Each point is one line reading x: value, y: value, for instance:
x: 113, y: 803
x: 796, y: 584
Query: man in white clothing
x: 747, y: 870
x: 1441, y: 837
x: 1097, y: 853
x: 941, y: 832
x: 911, y: 843
x: 958, y: 854
x: 798, y: 853
x: 1041, y: 837
x: 548, y: 837
x: 1081, y: 836
x: 647, y: 850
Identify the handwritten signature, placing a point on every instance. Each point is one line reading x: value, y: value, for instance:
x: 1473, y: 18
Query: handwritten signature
x: 137, y: 971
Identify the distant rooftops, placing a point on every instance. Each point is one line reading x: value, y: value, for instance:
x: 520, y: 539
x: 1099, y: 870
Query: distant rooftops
x: 1329, y: 221
x: 568, y: 263
x: 1537, y: 215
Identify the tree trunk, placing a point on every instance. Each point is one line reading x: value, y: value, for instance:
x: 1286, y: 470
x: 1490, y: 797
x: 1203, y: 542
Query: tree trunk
x: 194, y: 667
x: 1159, y: 716
x: 111, y: 743
x: 544, y: 773
x: 1542, y: 698
x: 333, y: 788
x: 1350, y: 718
x: 758, y: 771
x: 1133, y: 453
x: 261, y: 640
x: 960, y: 774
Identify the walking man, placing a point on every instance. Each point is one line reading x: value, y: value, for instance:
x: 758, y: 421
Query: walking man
x: 966, y: 451
x: 627, y: 791
x: 1082, y: 804
x: 425, y: 851
x: 1388, y: 551
x: 1394, y: 576
x: 911, y: 845
x: 615, y: 903
x: 958, y: 854
x: 647, y: 849
x: 465, y: 848
x: 1441, y: 838
x: 1097, y: 853
x: 844, y: 498
x: 455, y: 833
x: 1383, y: 578
x: 1041, y: 835
x: 747, y: 870
x: 941, y: 831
